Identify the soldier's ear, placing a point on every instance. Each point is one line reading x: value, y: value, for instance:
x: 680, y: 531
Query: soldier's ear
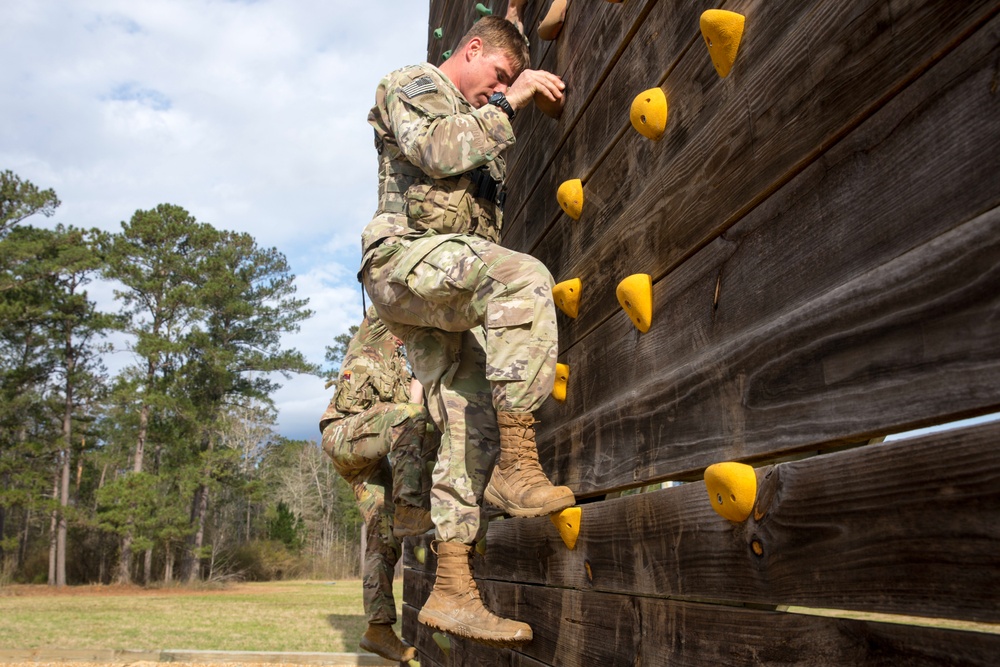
x: 474, y: 48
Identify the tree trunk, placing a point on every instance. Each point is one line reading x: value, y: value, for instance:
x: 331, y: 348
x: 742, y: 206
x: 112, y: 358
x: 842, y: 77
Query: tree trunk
x: 22, y: 551
x: 67, y: 438
x: 123, y: 574
x: 147, y: 567
x: 200, y: 511
x: 168, y: 568
x: 140, y: 442
x: 53, y: 530
x: 62, y: 527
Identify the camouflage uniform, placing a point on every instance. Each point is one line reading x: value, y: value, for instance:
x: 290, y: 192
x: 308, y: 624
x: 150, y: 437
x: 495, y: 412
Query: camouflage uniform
x: 369, y: 425
x: 478, y: 320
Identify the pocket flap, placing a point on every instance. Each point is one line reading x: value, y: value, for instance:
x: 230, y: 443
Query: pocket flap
x: 514, y: 312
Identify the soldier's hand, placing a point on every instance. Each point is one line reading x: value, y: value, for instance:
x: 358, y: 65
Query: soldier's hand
x: 532, y: 82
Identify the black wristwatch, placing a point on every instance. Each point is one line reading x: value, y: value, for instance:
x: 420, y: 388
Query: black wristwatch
x: 500, y: 100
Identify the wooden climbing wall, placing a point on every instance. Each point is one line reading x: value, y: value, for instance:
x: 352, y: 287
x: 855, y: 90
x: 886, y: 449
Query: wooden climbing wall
x: 822, y: 229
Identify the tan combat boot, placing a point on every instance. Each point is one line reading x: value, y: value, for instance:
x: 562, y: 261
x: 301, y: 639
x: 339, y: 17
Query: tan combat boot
x: 454, y: 605
x: 381, y: 639
x: 518, y: 485
x: 409, y: 520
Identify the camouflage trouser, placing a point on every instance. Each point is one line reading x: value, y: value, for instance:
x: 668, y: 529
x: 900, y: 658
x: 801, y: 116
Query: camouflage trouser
x: 479, y: 326
x: 362, y: 447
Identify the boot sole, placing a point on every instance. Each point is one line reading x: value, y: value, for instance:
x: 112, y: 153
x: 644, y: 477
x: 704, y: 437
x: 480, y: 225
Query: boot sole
x: 371, y: 647
x: 451, y: 626
x: 551, y: 507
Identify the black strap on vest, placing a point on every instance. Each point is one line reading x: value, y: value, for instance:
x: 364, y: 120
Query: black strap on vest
x: 487, y: 187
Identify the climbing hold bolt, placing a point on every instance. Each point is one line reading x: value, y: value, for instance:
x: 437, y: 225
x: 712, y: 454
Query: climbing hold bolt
x: 552, y: 22
x: 732, y: 489
x: 443, y: 641
x: 562, y: 378
x: 568, y: 523
x: 570, y: 197
x: 722, y: 31
x: 635, y: 294
x: 438, y: 33
x: 567, y: 296
x: 483, y: 10
x: 649, y: 113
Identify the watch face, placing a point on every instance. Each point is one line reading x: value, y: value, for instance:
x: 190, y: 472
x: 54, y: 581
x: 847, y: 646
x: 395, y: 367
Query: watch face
x: 496, y: 97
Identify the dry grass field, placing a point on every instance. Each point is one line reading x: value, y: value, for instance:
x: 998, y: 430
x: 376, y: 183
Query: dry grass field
x: 290, y: 616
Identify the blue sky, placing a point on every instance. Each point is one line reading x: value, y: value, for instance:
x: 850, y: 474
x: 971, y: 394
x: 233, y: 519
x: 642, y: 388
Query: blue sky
x: 251, y: 115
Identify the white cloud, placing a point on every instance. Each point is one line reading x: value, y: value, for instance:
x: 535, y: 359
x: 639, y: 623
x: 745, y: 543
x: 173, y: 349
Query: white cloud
x: 251, y: 115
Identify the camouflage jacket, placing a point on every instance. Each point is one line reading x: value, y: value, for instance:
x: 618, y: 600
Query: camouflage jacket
x: 434, y: 148
x: 373, y: 371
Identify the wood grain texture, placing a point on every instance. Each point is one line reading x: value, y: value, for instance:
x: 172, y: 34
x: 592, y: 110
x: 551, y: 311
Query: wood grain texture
x: 810, y: 72
x: 719, y: 377
x: 581, y: 629
x: 907, y: 527
x: 588, y: 49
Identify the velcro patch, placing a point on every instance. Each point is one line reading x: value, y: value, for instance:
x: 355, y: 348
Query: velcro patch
x: 419, y: 86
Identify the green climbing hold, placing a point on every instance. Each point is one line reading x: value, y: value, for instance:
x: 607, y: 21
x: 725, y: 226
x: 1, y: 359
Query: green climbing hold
x: 443, y: 641
x: 438, y: 33
x: 446, y: 55
x: 483, y: 10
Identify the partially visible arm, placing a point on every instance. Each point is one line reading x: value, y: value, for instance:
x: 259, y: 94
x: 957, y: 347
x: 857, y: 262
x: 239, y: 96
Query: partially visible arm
x: 443, y: 143
x: 416, y: 391
x: 515, y: 14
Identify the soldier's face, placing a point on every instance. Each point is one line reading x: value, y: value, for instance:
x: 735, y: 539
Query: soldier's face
x: 487, y: 72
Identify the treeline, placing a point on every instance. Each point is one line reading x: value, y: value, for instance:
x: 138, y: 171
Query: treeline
x: 169, y: 469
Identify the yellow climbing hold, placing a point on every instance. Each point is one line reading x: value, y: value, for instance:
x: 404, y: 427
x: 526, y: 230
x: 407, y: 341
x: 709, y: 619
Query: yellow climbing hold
x: 649, y: 113
x: 568, y: 523
x: 413, y: 663
x: 570, y: 197
x: 562, y: 378
x: 443, y: 641
x: 421, y: 554
x: 481, y: 547
x: 732, y: 489
x: 635, y: 294
x: 722, y: 31
x: 567, y: 296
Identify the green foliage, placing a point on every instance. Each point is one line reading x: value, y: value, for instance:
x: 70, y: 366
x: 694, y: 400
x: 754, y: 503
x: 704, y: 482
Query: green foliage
x: 205, y: 312
x: 335, y: 354
x: 265, y: 560
x: 283, y: 526
x: 21, y: 199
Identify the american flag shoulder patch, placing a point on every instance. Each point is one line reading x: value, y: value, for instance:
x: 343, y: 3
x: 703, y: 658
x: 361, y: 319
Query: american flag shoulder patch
x: 419, y: 86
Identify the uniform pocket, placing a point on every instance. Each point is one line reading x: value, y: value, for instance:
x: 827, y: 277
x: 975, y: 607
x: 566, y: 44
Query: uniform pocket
x: 508, y: 338
x: 447, y: 208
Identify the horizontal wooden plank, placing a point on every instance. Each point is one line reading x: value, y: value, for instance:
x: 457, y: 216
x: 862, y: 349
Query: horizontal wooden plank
x: 907, y: 527
x: 578, y: 636
x: 821, y: 302
x: 580, y: 628
x: 810, y: 72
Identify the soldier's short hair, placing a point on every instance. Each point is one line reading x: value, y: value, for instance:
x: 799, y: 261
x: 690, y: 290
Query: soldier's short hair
x: 499, y: 33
